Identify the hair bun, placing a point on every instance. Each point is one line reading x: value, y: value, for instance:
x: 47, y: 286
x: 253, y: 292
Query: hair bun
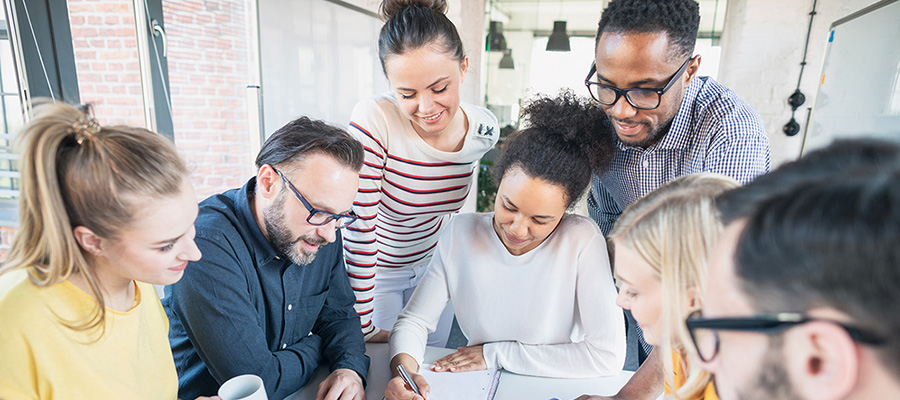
x: 576, y: 120
x: 390, y: 8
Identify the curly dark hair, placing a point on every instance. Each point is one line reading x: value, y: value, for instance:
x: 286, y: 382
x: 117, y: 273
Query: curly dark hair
x: 567, y: 139
x: 680, y: 19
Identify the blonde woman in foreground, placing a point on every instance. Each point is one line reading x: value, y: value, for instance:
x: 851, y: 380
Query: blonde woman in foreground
x: 660, y: 245
x: 105, y: 212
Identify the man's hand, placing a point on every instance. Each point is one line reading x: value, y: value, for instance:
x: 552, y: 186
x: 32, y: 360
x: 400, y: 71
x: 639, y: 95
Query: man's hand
x: 586, y: 397
x: 470, y: 358
x: 380, y: 337
x: 342, y: 384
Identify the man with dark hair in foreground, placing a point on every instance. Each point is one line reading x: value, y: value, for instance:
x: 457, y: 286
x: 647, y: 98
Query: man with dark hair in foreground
x: 805, y: 282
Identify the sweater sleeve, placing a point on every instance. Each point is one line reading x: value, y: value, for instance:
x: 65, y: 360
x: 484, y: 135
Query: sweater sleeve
x: 368, y: 125
x: 601, y: 352
x: 421, y: 314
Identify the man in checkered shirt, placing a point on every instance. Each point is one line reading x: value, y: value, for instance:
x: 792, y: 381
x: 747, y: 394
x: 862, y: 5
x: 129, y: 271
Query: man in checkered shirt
x: 669, y: 121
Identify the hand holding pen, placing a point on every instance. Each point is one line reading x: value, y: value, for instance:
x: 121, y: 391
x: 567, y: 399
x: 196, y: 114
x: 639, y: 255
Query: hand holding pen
x: 405, y: 385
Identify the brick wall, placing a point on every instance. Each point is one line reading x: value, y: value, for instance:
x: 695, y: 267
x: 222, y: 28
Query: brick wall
x: 208, y: 72
x: 208, y: 63
x: 6, y: 236
x: 106, y: 60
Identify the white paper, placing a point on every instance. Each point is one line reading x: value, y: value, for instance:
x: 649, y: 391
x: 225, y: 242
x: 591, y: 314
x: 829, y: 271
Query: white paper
x: 474, y: 385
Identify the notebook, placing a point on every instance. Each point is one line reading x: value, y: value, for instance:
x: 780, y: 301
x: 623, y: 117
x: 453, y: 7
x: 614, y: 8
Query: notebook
x: 474, y: 385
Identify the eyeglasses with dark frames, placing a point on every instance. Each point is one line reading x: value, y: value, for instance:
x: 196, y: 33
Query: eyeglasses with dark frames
x: 319, y: 217
x: 704, y: 331
x: 639, y: 98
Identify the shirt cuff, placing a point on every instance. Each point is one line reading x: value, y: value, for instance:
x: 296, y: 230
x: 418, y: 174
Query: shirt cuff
x: 370, y: 335
x: 489, y: 351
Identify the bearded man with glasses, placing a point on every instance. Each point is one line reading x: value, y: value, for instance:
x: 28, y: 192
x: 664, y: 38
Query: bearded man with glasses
x: 270, y: 295
x: 669, y: 121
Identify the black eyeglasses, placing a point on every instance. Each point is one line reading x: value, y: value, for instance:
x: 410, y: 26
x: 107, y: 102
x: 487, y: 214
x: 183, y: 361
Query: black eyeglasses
x: 705, y: 335
x: 639, y: 98
x: 316, y: 216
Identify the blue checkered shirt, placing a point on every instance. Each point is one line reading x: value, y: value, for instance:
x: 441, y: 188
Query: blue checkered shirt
x: 713, y: 131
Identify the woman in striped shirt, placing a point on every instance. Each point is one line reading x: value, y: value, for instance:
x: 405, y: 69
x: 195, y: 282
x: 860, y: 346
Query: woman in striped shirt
x: 422, y: 145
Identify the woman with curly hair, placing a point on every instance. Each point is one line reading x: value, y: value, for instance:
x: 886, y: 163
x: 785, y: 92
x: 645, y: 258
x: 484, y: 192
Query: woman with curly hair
x: 529, y: 254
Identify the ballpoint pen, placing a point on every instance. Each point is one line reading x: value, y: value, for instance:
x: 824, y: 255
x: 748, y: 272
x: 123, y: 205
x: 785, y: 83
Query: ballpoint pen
x: 406, y: 378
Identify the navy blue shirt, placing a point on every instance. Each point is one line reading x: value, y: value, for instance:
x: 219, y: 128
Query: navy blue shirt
x: 244, y: 309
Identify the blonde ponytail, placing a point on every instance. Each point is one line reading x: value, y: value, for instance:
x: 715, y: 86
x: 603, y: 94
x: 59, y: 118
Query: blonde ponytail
x: 76, y: 173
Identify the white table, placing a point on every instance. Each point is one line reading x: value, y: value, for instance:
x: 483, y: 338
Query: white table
x: 512, y: 386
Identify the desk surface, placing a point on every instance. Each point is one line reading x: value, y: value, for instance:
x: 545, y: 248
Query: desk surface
x: 512, y: 386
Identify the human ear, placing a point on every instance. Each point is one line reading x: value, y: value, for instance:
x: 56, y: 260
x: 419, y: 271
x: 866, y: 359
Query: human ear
x: 692, y: 297
x: 822, y: 360
x: 266, y: 179
x: 691, y: 71
x: 88, y: 240
x: 463, y: 68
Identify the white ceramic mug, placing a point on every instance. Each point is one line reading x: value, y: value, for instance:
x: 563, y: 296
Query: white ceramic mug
x: 243, y: 387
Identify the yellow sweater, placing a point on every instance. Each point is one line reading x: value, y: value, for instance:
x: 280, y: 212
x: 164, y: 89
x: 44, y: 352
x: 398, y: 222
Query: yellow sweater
x: 708, y: 394
x: 41, y: 358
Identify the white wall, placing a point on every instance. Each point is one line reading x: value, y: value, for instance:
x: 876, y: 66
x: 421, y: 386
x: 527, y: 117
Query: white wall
x: 468, y: 16
x: 762, y: 46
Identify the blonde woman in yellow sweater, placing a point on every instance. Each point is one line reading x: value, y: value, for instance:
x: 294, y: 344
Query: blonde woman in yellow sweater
x: 660, y: 247
x: 105, y: 213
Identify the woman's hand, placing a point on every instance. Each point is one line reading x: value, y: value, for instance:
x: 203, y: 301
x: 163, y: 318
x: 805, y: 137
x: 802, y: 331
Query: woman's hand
x: 469, y: 358
x: 399, y: 390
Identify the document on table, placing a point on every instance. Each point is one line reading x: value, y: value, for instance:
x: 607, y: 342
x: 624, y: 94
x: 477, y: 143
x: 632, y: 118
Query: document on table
x: 474, y: 385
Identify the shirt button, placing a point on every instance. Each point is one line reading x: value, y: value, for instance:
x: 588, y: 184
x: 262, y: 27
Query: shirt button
x: 290, y: 306
x: 646, y: 163
x: 283, y: 346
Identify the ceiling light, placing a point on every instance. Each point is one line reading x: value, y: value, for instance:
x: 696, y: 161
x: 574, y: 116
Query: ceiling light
x: 495, y: 40
x: 507, y: 61
x: 559, y: 39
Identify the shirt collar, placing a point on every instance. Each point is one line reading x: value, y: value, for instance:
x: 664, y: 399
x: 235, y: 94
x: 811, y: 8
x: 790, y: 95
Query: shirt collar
x: 264, y: 250
x: 677, y: 136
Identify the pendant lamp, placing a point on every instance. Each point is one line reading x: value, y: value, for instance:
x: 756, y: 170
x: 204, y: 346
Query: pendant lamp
x: 495, y: 40
x: 559, y: 39
x: 507, y: 61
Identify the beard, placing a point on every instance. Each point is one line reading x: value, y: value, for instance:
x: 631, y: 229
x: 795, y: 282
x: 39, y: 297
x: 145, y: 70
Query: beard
x: 772, y: 381
x: 280, y: 235
x: 653, y: 137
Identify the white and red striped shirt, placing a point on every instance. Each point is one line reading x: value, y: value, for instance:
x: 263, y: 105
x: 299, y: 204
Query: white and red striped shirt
x: 407, y: 190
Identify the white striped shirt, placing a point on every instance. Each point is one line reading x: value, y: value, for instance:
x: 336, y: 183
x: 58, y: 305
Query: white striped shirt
x: 407, y: 190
